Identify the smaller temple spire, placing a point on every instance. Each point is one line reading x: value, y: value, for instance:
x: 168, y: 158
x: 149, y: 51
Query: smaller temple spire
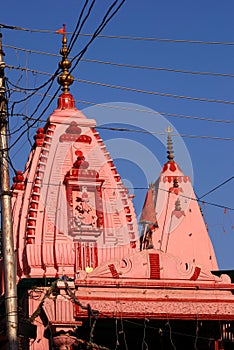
x: 65, y: 79
x: 170, y: 152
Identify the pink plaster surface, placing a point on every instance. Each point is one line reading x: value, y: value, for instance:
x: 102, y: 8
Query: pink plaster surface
x: 47, y: 241
x: 181, y: 232
x: 72, y: 216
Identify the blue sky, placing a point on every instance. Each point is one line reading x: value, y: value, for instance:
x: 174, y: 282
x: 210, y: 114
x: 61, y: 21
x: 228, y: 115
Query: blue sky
x: 207, y: 21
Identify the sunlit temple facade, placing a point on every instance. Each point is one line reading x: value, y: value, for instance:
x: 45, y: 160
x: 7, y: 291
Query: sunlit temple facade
x: 89, y: 275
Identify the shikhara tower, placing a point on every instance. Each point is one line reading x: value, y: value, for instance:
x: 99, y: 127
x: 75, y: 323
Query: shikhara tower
x: 71, y: 210
x: 81, y: 260
x: 181, y: 228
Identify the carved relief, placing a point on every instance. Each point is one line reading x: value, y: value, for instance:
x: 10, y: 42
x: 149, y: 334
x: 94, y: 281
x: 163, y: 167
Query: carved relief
x: 84, y: 197
x: 84, y: 208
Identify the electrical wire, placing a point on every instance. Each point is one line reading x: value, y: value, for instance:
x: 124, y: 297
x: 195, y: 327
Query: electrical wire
x: 157, y: 113
x: 35, y: 120
x: 119, y: 129
x: 124, y: 37
x: 163, y: 133
x: 143, y: 91
x: 158, y: 189
x: 23, y: 88
x: 50, y: 80
x: 167, y: 69
x: 203, y: 99
x: 157, y: 93
x: 31, y: 51
x: 151, y: 327
x: 218, y: 138
x: 80, y: 25
x: 103, y: 24
x: 100, y: 28
x: 126, y: 88
x: 217, y: 187
x: 134, y: 66
x: 130, y: 108
x: 81, y: 53
x: 170, y: 335
x: 168, y: 95
x: 166, y: 40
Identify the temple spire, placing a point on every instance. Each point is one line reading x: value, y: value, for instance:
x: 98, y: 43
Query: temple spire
x: 170, y: 152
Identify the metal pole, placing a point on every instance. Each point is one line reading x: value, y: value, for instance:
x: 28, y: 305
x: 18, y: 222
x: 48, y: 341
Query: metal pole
x: 7, y: 229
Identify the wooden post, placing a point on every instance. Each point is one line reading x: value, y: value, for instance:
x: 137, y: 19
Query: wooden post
x: 10, y: 287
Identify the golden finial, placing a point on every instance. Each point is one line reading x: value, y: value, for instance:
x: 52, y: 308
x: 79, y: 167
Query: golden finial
x: 64, y: 79
x: 170, y: 156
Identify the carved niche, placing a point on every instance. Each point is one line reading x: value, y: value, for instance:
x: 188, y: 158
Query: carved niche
x: 84, y: 197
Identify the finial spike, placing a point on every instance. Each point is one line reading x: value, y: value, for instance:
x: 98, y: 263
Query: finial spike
x: 170, y: 156
x: 64, y: 79
x: 64, y: 29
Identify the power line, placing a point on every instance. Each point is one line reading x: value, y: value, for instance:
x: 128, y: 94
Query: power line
x: 157, y: 188
x: 197, y: 200
x: 126, y: 88
x: 157, y: 93
x: 31, y: 51
x: 99, y: 29
x: 140, y: 130
x: 128, y: 108
x: 151, y: 68
x: 73, y: 38
x: 11, y: 27
x: 217, y: 187
x: 166, y: 40
x: 110, y: 13
x: 167, y: 69
x: 80, y: 23
x: 51, y: 80
x: 48, y: 82
x: 157, y: 113
x: 23, y: 88
x: 163, y: 133
x: 124, y: 37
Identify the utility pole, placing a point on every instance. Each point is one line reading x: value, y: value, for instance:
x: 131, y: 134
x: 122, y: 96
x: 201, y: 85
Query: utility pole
x: 6, y: 217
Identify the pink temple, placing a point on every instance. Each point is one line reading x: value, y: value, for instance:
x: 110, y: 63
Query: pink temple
x: 80, y: 258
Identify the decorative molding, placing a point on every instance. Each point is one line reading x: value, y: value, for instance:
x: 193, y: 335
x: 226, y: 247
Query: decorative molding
x: 159, y: 309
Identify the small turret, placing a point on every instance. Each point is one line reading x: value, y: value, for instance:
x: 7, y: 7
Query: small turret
x: 181, y: 229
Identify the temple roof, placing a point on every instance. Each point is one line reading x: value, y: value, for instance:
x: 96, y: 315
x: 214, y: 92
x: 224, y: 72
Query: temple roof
x: 72, y: 213
x: 182, y: 231
x: 70, y: 208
